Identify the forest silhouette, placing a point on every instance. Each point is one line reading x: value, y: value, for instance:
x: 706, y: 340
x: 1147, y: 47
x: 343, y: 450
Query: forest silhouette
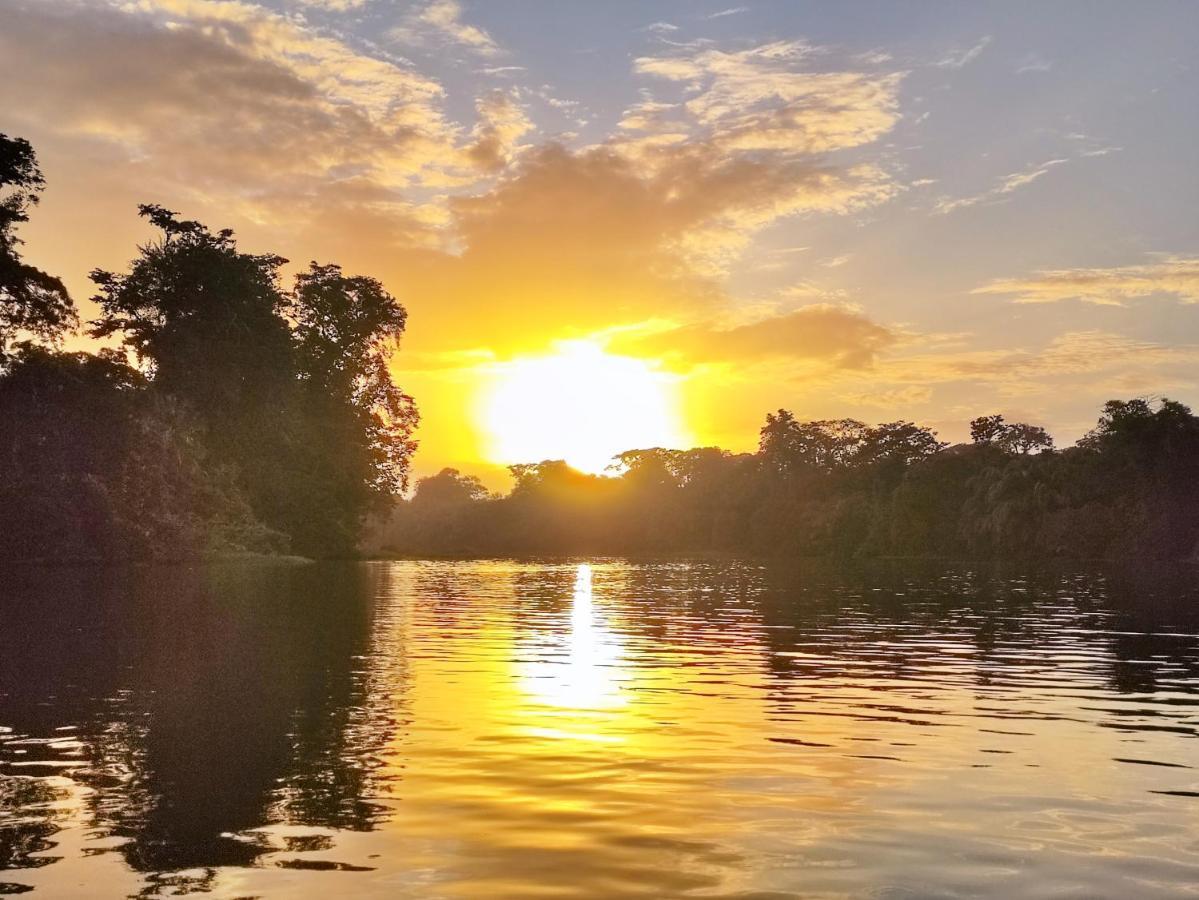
x: 841, y: 488
x: 260, y: 418
x: 264, y: 418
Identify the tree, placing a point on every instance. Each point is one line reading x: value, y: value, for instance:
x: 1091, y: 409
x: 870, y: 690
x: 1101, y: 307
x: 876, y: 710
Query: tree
x: 1025, y: 439
x: 358, y: 425
x: 986, y: 429
x: 206, y: 318
x: 97, y: 466
x: 31, y: 301
x: 1136, y: 425
x: 207, y: 322
x: 448, y: 488
x: 788, y: 446
x: 901, y: 442
x: 1017, y: 437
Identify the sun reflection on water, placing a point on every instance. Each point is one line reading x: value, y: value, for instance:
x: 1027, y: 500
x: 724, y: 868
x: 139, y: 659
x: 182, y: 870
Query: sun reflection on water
x: 583, y: 668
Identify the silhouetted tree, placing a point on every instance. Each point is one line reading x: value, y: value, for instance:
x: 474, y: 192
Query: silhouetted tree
x: 790, y: 446
x: 839, y: 487
x: 897, y: 441
x: 208, y: 321
x: 358, y: 426
x: 1010, y: 437
x: 257, y: 416
x: 448, y: 488
x: 31, y: 301
x: 95, y: 466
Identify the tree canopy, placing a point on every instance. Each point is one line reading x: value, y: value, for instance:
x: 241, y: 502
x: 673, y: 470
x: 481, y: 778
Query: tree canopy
x: 32, y: 302
x: 841, y: 487
x: 258, y: 417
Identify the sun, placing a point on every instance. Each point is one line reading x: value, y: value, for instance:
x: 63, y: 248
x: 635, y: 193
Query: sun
x: 580, y: 404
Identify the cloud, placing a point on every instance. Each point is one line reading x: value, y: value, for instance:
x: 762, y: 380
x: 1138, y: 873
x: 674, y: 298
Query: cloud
x: 502, y: 123
x: 1006, y: 185
x: 1172, y: 275
x: 1069, y: 355
x: 757, y: 131
x: 1031, y: 63
x: 332, y: 5
x: 961, y: 58
x: 223, y: 99
x: 832, y: 335
x: 502, y: 71
x: 572, y: 242
x: 649, y: 115
x: 566, y: 244
x: 245, y: 117
x: 731, y: 11
x: 912, y: 395
x: 758, y: 99
x: 440, y: 22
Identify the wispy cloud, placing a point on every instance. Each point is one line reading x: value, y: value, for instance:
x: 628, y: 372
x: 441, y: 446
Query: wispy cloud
x: 833, y: 335
x: 961, y: 58
x: 1006, y: 185
x: 756, y: 117
x: 760, y: 98
x: 1033, y: 64
x: 911, y: 395
x: 731, y: 11
x: 502, y: 71
x: 1175, y: 276
x: 440, y: 22
x: 1067, y: 356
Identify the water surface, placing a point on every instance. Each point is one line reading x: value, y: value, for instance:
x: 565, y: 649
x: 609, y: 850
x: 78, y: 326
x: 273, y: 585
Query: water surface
x: 599, y: 729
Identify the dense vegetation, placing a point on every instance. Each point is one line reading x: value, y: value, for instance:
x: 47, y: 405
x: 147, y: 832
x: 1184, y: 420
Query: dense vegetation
x: 255, y: 418
x: 842, y: 488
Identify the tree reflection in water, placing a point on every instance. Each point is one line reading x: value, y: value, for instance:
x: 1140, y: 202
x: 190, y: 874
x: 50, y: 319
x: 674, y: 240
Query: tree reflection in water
x: 216, y: 701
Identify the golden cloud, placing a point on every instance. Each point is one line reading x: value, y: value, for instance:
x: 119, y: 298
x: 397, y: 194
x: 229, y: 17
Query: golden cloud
x: 1174, y: 275
x: 502, y: 123
x: 440, y: 22
x: 836, y: 336
x: 756, y: 99
x: 221, y: 99
x: 1071, y: 354
x: 309, y: 144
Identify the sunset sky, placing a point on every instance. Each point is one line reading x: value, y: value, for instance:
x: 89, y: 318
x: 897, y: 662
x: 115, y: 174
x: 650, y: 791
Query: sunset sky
x: 657, y: 221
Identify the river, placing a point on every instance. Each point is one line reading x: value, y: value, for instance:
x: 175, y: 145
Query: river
x: 599, y: 728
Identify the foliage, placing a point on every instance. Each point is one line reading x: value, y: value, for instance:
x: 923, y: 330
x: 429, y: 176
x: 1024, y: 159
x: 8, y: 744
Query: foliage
x: 843, y: 488
x: 98, y: 466
x: 31, y: 302
x: 1012, y: 438
x: 259, y: 419
x: 356, y: 427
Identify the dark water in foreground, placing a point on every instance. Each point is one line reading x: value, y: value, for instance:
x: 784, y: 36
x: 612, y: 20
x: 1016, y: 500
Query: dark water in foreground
x: 495, y: 729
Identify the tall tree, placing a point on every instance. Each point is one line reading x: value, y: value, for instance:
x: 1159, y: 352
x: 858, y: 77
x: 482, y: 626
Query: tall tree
x: 208, y: 323
x: 1010, y: 437
x: 31, y: 301
x: 358, y: 425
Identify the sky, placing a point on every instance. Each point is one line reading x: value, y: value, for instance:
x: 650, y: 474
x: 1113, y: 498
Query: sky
x: 658, y: 221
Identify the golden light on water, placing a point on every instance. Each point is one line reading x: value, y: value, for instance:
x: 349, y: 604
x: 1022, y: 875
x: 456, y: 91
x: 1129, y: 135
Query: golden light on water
x: 584, y: 673
x: 580, y: 404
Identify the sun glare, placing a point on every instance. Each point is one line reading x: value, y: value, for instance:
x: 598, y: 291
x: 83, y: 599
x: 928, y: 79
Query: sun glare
x: 579, y: 404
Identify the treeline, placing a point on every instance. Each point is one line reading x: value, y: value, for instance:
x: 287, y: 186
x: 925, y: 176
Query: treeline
x: 841, y: 488
x: 256, y: 418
